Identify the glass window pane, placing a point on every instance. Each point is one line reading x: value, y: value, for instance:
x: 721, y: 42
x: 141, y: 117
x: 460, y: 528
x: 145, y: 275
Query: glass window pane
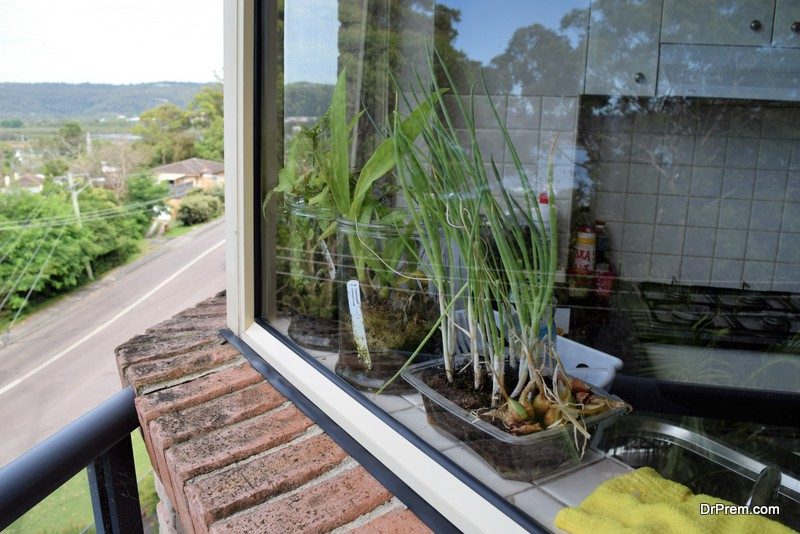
x: 517, y: 193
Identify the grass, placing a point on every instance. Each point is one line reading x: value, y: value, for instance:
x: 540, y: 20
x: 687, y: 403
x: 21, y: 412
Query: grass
x: 178, y: 229
x: 69, y: 509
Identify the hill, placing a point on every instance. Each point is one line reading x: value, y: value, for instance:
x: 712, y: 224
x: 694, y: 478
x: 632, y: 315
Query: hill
x: 35, y: 101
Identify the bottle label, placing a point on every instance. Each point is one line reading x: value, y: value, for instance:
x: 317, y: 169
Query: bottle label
x: 357, y: 318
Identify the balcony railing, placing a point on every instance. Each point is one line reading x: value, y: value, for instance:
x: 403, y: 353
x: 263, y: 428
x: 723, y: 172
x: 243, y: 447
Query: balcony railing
x: 100, y: 441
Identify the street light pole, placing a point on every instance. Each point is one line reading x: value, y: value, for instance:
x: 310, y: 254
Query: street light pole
x: 77, y: 209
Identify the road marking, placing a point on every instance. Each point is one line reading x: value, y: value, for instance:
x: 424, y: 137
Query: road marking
x: 11, y: 385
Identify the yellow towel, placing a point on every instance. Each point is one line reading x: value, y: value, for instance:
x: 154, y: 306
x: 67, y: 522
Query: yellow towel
x: 643, y: 502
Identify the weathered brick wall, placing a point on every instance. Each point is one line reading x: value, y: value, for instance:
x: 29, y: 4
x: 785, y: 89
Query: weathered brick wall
x: 231, y: 453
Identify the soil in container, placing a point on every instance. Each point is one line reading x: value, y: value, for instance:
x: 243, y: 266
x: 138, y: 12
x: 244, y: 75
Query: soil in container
x: 394, y: 332
x: 462, y: 412
x: 315, y: 332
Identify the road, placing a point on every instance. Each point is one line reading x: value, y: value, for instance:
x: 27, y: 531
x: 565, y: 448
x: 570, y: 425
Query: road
x: 60, y: 363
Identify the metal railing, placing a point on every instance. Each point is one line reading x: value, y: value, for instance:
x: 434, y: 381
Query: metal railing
x: 100, y: 441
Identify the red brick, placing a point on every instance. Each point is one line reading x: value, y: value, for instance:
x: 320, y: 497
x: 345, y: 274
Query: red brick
x: 146, y: 375
x: 185, y: 324
x: 221, y: 494
x: 149, y: 347
x: 196, y: 392
x: 207, y: 310
x: 227, y: 410
x: 395, y: 522
x: 228, y: 445
x: 321, y: 508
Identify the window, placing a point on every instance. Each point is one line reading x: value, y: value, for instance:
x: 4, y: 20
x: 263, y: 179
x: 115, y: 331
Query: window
x: 503, y: 195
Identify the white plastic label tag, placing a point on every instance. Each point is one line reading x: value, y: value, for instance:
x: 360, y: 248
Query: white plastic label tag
x: 356, y: 318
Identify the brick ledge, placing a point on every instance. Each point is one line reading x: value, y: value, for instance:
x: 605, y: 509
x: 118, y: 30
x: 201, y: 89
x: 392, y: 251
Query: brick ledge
x: 230, y: 452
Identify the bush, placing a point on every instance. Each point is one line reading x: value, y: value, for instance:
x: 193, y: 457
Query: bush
x: 198, y: 208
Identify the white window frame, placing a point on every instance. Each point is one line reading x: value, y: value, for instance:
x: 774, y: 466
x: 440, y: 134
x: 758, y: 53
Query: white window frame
x: 455, y: 500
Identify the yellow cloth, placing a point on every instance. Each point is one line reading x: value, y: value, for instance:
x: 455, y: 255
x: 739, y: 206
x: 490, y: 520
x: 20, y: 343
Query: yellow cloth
x: 643, y: 501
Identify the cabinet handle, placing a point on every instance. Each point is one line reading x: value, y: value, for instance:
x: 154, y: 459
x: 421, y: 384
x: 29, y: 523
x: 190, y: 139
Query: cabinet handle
x: 638, y: 77
x: 796, y: 26
x: 755, y: 25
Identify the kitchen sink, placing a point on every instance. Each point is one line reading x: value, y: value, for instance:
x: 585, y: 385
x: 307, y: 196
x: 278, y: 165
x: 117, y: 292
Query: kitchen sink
x: 704, y: 465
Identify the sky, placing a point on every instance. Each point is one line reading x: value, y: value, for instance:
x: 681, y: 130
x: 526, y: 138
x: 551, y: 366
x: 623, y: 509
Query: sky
x: 483, y: 33
x: 110, y: 41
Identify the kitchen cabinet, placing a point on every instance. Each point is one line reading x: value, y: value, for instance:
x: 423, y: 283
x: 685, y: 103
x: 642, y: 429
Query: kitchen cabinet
x: 622, y: 56
x: 786, y: 31
x: 722, y: 22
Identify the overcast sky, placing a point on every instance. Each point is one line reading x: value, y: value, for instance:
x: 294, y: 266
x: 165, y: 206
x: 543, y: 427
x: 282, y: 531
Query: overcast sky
x: 110, y: 41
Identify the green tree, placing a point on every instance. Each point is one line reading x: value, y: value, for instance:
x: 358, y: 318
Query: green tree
x: 198, y: 208
x: 164, y: 130
x: 55, y: 167
x: 144, y: 191
x: 71, y: 140
x: 205, y: 114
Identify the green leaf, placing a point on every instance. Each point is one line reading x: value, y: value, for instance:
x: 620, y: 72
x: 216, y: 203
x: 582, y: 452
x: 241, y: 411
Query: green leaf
x: 339, y: 176
x: 383, y: 159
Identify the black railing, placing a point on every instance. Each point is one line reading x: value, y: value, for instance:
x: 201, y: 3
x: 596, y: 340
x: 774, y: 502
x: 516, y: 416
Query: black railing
x: 99, y: 440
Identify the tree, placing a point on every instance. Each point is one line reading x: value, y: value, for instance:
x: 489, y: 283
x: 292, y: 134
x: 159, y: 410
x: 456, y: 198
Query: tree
x: 205, y: 113
x: 126, y: 157
x: 144, y: 191
x: 198, y: 208
x: 164, y: 130
x: 71, y: 140
x: 55, y: 167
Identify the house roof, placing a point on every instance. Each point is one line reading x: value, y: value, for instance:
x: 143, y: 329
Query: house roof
x: 191, y: 166
x: 28, y: 180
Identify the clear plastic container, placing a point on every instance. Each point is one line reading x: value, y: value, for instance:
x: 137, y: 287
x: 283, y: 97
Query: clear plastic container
x: 524, y: 458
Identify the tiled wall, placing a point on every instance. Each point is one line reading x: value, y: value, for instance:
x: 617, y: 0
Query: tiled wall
x: 703, y: 192
x: 533, y: 123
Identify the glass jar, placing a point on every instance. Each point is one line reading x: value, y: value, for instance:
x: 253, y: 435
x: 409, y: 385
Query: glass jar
x: 386, y: 305
x: 307, y: 280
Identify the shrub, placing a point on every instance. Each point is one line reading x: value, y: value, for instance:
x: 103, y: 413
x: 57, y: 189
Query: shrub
x: 198, y: 208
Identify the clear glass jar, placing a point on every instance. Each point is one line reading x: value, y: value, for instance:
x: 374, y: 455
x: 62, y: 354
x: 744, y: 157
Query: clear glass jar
x: 386, y: 308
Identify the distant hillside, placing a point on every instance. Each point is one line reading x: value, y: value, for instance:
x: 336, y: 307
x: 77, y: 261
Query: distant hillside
x: 32, y: 101
x: 305, y: 99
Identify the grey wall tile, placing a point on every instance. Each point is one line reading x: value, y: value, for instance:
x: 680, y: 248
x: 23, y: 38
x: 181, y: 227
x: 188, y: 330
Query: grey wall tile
x: 635, y: 266
x: 611, y: 176
x: 793, y: 187
x: 683, y: 122
x: 511, y: 176
x: 616, y: 147
x: 695, y: 270
x: 791, y: 217
x: 710, y: 151
x: 526, y: 144
x: 641, y: 208
x: 524, y: 113
x: 742, y: 153
x: 637, y: 238
x: 675, y: 180
x: 745, y: 122
x: 714, y: 120
x: 650, y: 122
x: 559, y: 113
x: 677, y: 149
x: 787, y: 277
x: 794, y: 163
x: 484, y: 117
x: 766, y: 215
x: 672, y: 210
x: 789, y: 248
x: 770, y: 185
x: 738, y: 183
x: 774, y: 154
x: 762, y: 246
x: 563, y: 151
x: 734, y: 213
x: 730, y: 244
x: 643, y: 178
x: 668, y: 240
x: 645, y: 148
x: 703, y: 212
x: 699, y: 241
x: 492, y: 145
x: 778, y: 123
x: 706, y: 181
x: 610, y: 206
x: 758, y: 274
x: 614, y: 230
x: 727, y: 273
x: 663, y: 268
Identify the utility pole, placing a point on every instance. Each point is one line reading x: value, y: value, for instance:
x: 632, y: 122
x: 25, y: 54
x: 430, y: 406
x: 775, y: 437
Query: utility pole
x: 77, y: 209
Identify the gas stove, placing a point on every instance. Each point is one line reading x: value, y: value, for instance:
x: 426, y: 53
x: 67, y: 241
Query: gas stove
x: 715, y: 317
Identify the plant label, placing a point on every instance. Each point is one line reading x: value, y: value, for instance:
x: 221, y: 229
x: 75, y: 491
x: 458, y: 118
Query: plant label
x: 331, y: 266
x: 357, y: 319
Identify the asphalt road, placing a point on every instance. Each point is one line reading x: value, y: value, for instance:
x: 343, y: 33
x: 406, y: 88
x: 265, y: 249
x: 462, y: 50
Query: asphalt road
x: 59, y: 363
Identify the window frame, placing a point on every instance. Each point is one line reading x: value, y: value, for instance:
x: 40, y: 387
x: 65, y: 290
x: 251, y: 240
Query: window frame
x: 462, y: 499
